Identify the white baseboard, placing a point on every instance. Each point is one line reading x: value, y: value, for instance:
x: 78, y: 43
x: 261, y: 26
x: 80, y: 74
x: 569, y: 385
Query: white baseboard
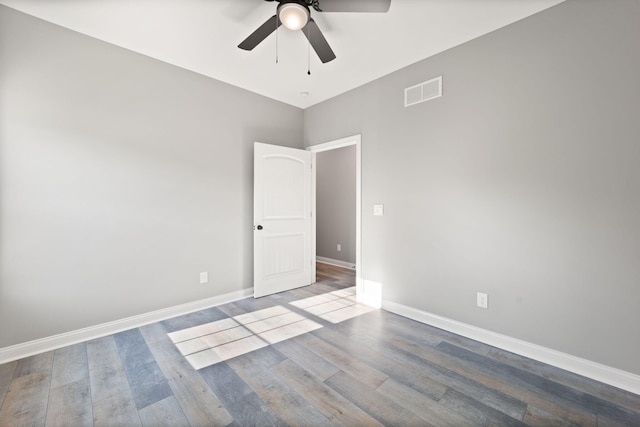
x: 19, y: 351
x: 605, y: 374
x: 335, y: 262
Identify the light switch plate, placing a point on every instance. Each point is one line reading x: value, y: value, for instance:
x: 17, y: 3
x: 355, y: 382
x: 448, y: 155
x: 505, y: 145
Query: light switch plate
x: 378, y: 210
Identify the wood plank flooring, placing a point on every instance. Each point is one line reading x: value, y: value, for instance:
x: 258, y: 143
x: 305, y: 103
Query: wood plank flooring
x: 373, y: 369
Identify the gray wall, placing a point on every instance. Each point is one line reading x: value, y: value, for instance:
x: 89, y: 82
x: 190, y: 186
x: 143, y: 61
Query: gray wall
x: 522, y: 181
x: 122, y: 178
x: 336, y: 204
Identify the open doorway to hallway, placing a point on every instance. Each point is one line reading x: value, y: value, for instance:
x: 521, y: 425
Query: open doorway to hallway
x: 335, y: 206
x: 355, y: 200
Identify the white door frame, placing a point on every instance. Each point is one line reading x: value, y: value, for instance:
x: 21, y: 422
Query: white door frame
x: 333, y: 145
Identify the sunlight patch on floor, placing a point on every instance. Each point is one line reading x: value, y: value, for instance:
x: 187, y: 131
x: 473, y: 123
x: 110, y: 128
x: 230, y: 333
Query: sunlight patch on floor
x: 334, y: 307
x: 215, y: 342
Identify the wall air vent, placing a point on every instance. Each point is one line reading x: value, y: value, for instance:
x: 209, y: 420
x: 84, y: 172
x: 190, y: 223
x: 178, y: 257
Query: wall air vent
x: 422, y: 92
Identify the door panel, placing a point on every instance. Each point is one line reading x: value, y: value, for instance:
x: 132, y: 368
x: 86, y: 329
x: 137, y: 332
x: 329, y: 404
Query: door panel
x: 283, y: 187
x: 282, y: 219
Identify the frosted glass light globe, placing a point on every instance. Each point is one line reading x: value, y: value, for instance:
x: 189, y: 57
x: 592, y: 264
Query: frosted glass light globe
x: 293, y: 16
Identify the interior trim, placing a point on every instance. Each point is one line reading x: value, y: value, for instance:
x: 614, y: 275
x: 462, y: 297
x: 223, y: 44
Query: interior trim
x: 599, y: 372
x: 29, y: 348
x: 335, y: 262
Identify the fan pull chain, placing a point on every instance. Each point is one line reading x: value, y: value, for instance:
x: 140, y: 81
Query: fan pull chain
x: 308, y: 50
x: 277, y: 38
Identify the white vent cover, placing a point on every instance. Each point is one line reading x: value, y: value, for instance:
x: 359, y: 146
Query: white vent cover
x: 423, y: 92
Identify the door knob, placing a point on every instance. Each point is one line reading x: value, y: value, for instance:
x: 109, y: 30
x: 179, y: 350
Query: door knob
x: 259, y: 227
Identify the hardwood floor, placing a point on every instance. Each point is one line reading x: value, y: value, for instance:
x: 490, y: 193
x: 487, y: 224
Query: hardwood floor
x: 376, y: 368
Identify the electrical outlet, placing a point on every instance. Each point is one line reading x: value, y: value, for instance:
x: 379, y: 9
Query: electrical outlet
x: 483, y: 300
x: 339, y: 247
x: 204, y: 277
x: 378, y: 210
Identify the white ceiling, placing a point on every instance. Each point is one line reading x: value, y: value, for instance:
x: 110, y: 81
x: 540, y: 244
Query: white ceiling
x: 202, y: 36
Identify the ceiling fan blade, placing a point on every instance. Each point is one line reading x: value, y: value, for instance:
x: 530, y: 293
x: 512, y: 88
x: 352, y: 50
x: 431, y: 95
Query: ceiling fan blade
x: 366, y: 6
x: 318, y: 42
x: 261, y: 33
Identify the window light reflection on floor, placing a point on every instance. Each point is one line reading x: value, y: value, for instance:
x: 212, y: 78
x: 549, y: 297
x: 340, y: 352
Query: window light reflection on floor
x: 334, y: 307
x: 214, y: 342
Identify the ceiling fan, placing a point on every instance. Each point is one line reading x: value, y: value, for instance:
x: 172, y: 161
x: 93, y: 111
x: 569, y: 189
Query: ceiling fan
x: 296, y: 15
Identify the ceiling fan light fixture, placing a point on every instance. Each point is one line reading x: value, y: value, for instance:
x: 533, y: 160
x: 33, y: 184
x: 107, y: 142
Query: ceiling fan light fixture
x: 293, y: 16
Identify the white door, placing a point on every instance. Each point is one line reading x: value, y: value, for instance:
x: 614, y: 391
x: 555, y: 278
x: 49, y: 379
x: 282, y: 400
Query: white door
x: 281, y: 219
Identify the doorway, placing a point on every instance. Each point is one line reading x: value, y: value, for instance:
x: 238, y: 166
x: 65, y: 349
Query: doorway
x: 355, y: 141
